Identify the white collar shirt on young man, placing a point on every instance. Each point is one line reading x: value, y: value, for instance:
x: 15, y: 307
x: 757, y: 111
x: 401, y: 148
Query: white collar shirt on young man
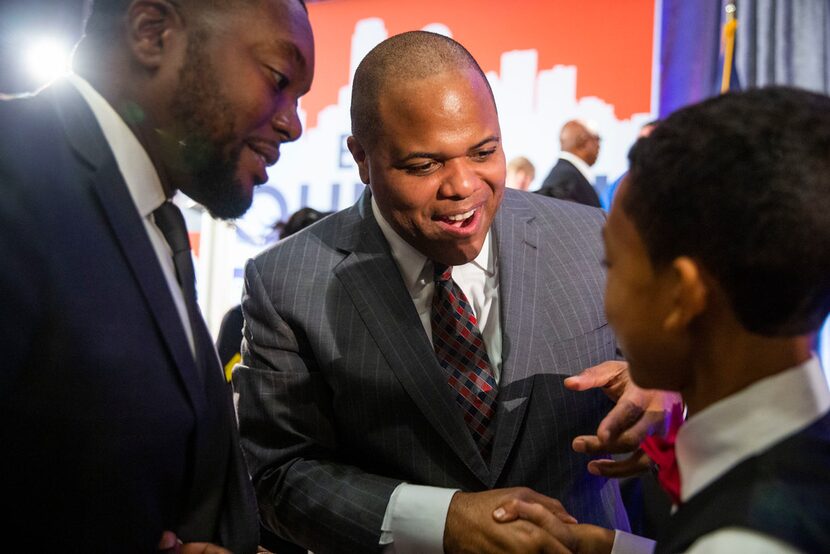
x: 580, y: 164
x: 416, y: 514
x: 143, y: 183
x: 738, y: 427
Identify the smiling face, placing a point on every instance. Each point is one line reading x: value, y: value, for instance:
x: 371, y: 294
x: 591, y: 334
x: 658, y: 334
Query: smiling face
x: 436, y: 168
x: 236, y: 101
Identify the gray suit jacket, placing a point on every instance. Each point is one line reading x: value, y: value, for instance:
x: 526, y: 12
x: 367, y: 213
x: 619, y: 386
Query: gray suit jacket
x: 342, y: 397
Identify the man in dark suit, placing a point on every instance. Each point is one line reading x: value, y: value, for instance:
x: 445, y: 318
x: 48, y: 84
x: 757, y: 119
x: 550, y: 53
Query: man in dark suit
x: 570, y: 179
x: 362, y: 427
x: 118, y: 429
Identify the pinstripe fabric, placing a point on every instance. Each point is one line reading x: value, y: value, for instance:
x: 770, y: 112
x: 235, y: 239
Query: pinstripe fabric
x: 342, y: 398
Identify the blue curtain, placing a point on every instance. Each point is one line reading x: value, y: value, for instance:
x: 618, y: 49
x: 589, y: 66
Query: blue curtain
x: 784, y: 42
x: 689, y: 52
x: 778, y: 42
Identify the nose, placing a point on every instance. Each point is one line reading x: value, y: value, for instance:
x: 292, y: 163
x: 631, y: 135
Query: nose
x: 459, y: 180
x: 286, y: 121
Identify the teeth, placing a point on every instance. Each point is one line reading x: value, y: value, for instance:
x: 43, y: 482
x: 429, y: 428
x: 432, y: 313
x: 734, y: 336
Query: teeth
x: 461, y: 217
x: 256, y: 153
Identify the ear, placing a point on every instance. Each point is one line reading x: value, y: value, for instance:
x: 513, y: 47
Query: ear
x: 359, y: 155
x: 690, y: 294
x: 152, y: 26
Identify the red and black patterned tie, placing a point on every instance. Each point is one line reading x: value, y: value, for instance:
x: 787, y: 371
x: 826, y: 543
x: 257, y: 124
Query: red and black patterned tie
x: 461, y: 351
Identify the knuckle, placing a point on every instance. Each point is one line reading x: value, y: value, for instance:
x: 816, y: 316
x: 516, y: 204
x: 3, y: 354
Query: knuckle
x: 523, y: 492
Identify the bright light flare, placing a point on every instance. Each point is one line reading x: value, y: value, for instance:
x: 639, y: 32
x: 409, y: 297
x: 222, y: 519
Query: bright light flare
x: 47, y: 59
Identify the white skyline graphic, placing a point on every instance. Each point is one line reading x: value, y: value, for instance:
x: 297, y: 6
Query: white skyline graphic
x: 533, y: 105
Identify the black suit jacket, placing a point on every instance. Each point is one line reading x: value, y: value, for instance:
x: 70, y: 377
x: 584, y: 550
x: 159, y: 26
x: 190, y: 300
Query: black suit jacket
x: 566, y: 182
x: 110, y: 432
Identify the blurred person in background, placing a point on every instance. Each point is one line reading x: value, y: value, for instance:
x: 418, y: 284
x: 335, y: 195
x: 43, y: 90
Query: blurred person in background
x: 571, y: 178
x: 520, y: 173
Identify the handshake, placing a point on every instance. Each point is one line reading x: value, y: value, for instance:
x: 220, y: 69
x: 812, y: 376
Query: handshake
x: 522, y: 520
x: 518, y: 520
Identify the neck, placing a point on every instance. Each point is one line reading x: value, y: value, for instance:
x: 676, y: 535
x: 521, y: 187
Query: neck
x: 133, y: 108
x: 736, y: 359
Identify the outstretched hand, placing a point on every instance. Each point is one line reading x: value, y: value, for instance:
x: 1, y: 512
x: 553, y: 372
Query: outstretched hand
x: 637, y: 414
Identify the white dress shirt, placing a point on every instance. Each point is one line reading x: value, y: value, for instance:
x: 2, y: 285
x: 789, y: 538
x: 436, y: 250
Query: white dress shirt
x: 143, y: 183
x: 580, y: 164
x: 742, y: 425
x: 416, y: 514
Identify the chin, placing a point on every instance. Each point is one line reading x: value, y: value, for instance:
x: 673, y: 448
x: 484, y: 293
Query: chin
x: 228, y: 207
x: 461, y: 254
x: 651, y: 378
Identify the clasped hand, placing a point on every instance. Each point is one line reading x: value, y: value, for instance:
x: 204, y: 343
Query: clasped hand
x: 637, y: 414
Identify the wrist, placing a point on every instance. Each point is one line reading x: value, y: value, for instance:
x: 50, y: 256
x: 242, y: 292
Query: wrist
x: 594, y: 539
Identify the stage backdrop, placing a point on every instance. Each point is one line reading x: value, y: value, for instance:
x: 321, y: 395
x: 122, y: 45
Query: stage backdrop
x: 547, y: 62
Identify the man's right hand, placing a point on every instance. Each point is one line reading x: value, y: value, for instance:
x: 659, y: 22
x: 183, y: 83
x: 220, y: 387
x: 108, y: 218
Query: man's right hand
x: 470, y: 526
x: 579, y: 538
x: 169, y: 544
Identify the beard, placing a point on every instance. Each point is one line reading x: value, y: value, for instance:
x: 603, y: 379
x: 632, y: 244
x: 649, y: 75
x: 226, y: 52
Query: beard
x: 207, y: 148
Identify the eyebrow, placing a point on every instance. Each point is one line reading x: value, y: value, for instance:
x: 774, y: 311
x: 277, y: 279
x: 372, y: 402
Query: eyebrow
x: 434, y: 156
x: 290, y: 49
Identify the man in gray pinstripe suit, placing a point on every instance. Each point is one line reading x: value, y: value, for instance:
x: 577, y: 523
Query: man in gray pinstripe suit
x: 353, y: 436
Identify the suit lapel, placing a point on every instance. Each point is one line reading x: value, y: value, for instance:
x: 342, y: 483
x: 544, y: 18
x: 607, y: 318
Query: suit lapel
x: 390, y: 317
x: 86, y: 138
x: 516, y: 239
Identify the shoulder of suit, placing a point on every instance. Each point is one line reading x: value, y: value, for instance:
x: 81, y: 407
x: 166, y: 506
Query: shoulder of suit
x: 549, y: 210
x: 23, y: 118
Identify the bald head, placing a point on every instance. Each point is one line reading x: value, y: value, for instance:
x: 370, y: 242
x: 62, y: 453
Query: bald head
x: 400, y: 59
x: 107, y: 17
x: 580, y: 140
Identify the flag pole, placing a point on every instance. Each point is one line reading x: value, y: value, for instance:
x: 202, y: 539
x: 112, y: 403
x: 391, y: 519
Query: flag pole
x: 729, y: 28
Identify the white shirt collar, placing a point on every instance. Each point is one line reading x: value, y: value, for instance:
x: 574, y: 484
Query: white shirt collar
x: 746, y: 423
x: 580, y: 164
x: 412, y: 264
x: 138, y: 171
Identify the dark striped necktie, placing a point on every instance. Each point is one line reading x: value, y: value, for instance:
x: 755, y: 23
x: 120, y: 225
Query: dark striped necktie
x: 461, y: 351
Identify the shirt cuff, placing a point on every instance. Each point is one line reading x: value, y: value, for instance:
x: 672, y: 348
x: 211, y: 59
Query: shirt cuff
x: 626, y: 543
x: 415, y: 518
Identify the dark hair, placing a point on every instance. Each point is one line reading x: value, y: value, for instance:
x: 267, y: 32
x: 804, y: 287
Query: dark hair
x: 401, y: 58
x: 742, y: 184
x: 298, y: 221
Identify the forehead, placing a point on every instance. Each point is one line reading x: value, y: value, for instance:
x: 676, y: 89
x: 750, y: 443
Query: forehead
x: 448, y: 106
x: 620, y: 233
x: 282, y: 26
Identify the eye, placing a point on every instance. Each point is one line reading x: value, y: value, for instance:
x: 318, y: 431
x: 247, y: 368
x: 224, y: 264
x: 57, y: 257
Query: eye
x: 280, y: 80
x: 424, y: 168
x: 483, y: 155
